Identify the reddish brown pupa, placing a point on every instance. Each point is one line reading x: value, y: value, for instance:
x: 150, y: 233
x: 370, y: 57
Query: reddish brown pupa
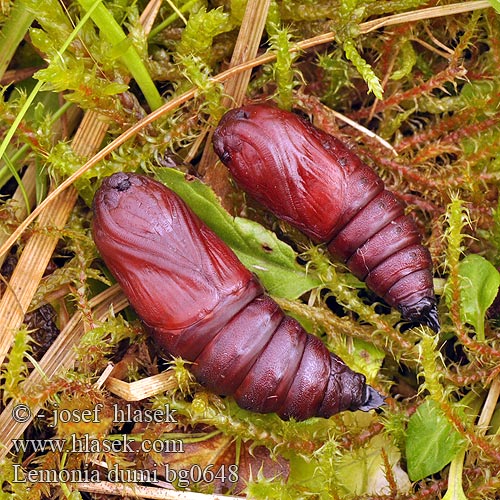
x: 312, y: 180
x: 199, y: 302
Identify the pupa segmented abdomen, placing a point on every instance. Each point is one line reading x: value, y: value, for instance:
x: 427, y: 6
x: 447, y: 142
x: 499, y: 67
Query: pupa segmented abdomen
x: 312, y: 180
x: 199, y: 302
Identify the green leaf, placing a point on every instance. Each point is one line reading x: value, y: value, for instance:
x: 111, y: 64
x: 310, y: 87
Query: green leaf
x: 273, y: 261
x: 363, y: 471
x: 455, y: 488
x: 431, y: 441
x: 479, y: 282
x: 495, y: 4
x: 114, y: 33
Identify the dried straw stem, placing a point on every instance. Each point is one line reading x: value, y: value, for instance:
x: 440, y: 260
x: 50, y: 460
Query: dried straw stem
x: 142, y: 389
x: 40, y: 247
x: 246, y: 48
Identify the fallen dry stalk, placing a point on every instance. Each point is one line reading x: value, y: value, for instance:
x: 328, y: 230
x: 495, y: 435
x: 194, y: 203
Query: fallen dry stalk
x: 39, y: 249
x: 142, y: 389
x: 246, y: 48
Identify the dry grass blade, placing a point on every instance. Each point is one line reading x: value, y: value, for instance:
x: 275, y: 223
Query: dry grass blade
x: 489, y: 406
x: 31, y: 266
x: 39, y: 249
x: 365, y: 131
x: 57, y: 359
x: 246, y: 49
x: 247, y: 46
x: 431, y: 12
x: 149, y: 14
x: 142, y: 389
x: 137, y: 491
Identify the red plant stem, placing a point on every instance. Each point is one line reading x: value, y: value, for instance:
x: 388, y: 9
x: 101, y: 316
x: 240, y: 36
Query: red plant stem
x: 389, y: 474
x: 409, y: 173
x: 478, y: 347
x: 481, y: 443
x: 451, y: 73
x: 472, y: 375
x: 451, y: 140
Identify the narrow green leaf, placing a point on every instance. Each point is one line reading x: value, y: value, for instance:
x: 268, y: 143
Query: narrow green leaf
x: 19, y: 181
x: 495, y: 4
x: 455, y: 488
x: 13, y: 32
x: 273, y: 261
x: 431, y: 441
x: 479, y: 282
x: 113, y: 32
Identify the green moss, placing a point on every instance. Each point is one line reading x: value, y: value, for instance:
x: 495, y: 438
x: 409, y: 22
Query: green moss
x: 283, y: 71
x: 16, y: 369
x: 201, y: 29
